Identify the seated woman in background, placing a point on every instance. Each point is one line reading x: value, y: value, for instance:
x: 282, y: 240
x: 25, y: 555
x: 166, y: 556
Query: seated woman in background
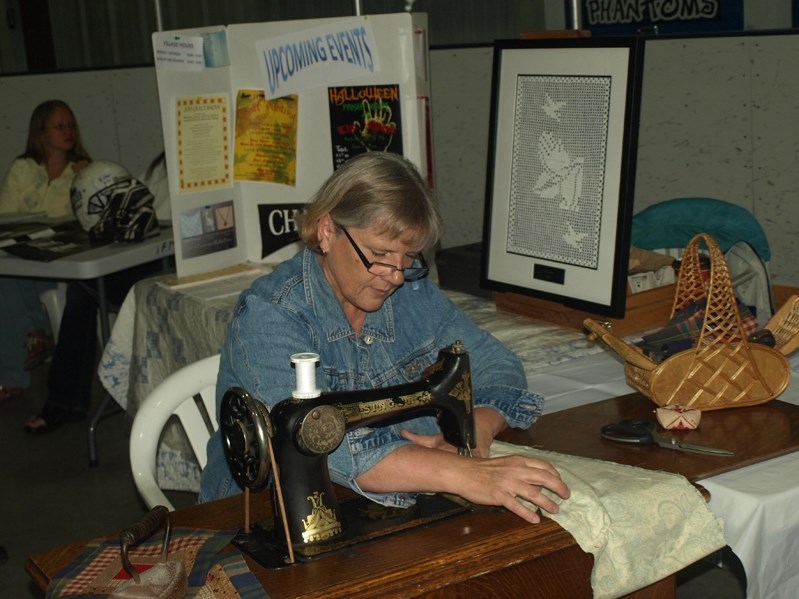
x: 357, y: 296
x: 37, y: 181
x: 74, y: 363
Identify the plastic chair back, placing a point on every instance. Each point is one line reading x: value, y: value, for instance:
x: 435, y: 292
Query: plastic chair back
x: 189, y: 394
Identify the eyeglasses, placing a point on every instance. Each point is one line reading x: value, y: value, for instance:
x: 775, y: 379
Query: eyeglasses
x: 416, y: 271
x: 64, y: 126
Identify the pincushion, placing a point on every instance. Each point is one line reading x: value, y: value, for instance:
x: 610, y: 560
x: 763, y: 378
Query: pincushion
x: 678, y: 417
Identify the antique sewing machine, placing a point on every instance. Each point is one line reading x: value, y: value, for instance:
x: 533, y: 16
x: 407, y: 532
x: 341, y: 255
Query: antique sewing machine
x: 288, y: 447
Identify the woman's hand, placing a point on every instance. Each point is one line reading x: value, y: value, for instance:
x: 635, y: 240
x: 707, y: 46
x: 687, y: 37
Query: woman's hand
x: 433, y: 466
x: 480, y: 479
x: 503, y: 481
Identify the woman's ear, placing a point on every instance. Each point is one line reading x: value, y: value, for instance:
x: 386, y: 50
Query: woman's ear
x: 325, y: 230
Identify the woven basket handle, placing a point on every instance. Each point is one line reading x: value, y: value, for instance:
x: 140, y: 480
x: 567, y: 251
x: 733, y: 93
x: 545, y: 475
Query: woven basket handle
x: 722, y: 320
x: 630, y: 354
x: 690, y: 282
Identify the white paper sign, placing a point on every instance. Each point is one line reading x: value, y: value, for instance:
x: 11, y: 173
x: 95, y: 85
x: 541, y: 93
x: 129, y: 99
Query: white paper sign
x: 316, y: 57
x: 179, y: 53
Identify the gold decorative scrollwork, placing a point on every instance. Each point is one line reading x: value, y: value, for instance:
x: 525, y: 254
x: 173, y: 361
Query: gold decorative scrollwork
x: 322, y: 522
x: 463, y: 390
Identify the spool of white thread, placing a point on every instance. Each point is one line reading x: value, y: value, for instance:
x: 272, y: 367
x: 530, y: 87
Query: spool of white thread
x: 305, y: 365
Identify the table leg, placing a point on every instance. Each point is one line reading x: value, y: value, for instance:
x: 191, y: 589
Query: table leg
x: 105, y: 335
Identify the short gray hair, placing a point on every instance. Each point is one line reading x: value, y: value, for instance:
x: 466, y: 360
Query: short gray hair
x: 376, y: 189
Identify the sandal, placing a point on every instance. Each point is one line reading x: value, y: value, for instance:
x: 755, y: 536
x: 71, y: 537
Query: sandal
x: 7, y: 393
x: 40, y: 347
x: 50, y: 418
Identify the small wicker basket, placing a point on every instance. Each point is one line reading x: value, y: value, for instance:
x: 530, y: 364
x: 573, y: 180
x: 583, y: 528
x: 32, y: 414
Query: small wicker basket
x: 723, y: 369
x: 784, y: 325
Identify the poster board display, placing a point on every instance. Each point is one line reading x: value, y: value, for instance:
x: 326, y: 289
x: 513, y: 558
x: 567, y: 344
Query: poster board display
x: 256, y: 116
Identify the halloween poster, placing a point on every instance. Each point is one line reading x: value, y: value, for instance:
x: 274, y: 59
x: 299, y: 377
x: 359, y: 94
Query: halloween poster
x: 363, y: 119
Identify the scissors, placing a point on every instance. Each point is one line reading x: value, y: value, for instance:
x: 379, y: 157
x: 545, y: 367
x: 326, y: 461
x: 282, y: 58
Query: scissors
x: 643, y: 431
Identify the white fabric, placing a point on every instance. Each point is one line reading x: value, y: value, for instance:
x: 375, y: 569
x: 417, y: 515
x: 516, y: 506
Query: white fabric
x: 651, y: 279
x: 27, y: 188
x: 578, y: 382
x: 640, y: 525
x: 751, y: 279
x: 760, y: 507
x: 114, y: 367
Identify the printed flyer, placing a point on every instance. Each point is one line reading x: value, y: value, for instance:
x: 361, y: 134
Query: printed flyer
x: 364, y: 119
x: 202, y: 136
x: 266, y: 138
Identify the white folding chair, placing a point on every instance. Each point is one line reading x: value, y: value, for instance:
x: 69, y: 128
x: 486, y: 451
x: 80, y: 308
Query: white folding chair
x: 55, y: 299
x: 189, y: 394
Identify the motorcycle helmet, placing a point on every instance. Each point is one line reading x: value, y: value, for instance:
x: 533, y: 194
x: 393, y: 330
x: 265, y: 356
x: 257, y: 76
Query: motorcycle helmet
x: 92, y: 189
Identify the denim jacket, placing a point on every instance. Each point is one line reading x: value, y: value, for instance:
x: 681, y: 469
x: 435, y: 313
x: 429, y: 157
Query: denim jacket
x: 294, y: 310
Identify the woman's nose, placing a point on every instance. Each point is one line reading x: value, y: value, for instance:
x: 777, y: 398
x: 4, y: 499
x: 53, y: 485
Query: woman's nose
x: 396, y: 274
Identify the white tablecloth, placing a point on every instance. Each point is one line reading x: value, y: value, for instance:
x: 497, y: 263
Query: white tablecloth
x: 760, y: 508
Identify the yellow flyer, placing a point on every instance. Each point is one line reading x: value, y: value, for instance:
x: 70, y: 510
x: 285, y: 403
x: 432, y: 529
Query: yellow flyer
x: 266, y: 138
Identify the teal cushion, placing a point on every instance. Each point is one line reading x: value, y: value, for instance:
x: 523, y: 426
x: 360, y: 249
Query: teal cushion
x: 673, y: 223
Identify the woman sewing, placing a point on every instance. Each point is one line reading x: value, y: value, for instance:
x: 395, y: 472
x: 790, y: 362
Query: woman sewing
x: 357, y: 296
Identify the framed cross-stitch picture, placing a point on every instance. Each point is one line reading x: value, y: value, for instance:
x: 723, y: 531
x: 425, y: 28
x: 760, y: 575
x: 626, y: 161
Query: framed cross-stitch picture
x: 561, y: 170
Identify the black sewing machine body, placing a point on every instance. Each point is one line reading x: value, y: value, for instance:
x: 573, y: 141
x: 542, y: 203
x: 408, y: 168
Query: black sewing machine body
x: 303, y: 432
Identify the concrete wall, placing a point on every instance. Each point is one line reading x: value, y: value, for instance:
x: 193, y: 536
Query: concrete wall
x: 718, y: 120
x: 117, y: 110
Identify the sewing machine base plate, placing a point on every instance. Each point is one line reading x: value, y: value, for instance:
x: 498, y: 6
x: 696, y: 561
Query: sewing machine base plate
x: 364, y: 520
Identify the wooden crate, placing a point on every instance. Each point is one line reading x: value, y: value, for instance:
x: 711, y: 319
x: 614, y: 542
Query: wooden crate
x: 644, y: 310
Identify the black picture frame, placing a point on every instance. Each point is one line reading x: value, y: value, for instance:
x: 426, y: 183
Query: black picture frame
x: 561, y: 170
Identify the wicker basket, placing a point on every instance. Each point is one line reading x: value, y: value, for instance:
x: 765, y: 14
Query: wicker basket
x: 785, y: 326
x: 723, y: 369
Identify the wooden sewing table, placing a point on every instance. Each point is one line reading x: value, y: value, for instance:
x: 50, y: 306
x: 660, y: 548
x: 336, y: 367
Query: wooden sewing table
x: 492, y: 553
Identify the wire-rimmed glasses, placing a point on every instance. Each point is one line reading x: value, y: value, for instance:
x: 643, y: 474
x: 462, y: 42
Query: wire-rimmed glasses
x: 416, y: 271
x: 64, y: 127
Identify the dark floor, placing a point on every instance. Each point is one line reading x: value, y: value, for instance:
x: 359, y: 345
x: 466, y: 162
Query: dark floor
x: 50, y: 496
